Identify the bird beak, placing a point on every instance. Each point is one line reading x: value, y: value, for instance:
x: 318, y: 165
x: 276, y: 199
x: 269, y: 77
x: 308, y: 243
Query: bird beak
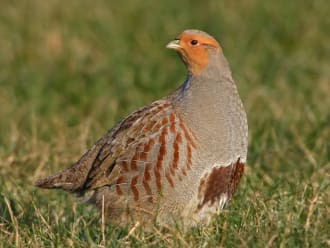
x: 174, y: 44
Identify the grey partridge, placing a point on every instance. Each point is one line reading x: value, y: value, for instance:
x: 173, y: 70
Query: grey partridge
x: 177, y: 159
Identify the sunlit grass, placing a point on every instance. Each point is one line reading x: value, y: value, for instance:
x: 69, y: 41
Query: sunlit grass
x: 70, y: 71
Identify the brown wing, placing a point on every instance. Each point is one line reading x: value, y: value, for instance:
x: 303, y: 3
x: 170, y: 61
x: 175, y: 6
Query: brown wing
x: 149, y: 148
x: 144, y: 153
x: 94, y: 168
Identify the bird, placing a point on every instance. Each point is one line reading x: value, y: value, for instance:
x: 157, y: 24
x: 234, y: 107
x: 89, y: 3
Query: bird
x: 176, y: 161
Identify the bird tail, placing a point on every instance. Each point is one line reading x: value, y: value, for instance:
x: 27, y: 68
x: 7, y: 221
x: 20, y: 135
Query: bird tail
x: 72, y: 179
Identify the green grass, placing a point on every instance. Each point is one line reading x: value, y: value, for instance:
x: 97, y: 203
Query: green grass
x: 70, y: 70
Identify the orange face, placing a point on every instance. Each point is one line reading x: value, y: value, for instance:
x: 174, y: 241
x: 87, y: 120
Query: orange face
x: 193, y: 49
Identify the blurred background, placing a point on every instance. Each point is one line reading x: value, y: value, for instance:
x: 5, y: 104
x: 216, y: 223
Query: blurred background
x: 69, y: 70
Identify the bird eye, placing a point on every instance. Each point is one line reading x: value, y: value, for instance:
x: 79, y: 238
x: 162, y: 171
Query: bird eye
x: 194, y: 42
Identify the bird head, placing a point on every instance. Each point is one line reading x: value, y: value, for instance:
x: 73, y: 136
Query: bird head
x: 195, y: 47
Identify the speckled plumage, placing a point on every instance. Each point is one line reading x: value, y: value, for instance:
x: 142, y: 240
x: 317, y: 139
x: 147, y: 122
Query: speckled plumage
x: 177, y: 160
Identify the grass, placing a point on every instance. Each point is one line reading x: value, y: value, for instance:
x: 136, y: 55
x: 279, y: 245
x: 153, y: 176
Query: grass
x: 69, y: 71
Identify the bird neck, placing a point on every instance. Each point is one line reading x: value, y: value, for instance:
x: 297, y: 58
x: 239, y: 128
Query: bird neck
x: 210, y: 86
x: 209, y: 96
